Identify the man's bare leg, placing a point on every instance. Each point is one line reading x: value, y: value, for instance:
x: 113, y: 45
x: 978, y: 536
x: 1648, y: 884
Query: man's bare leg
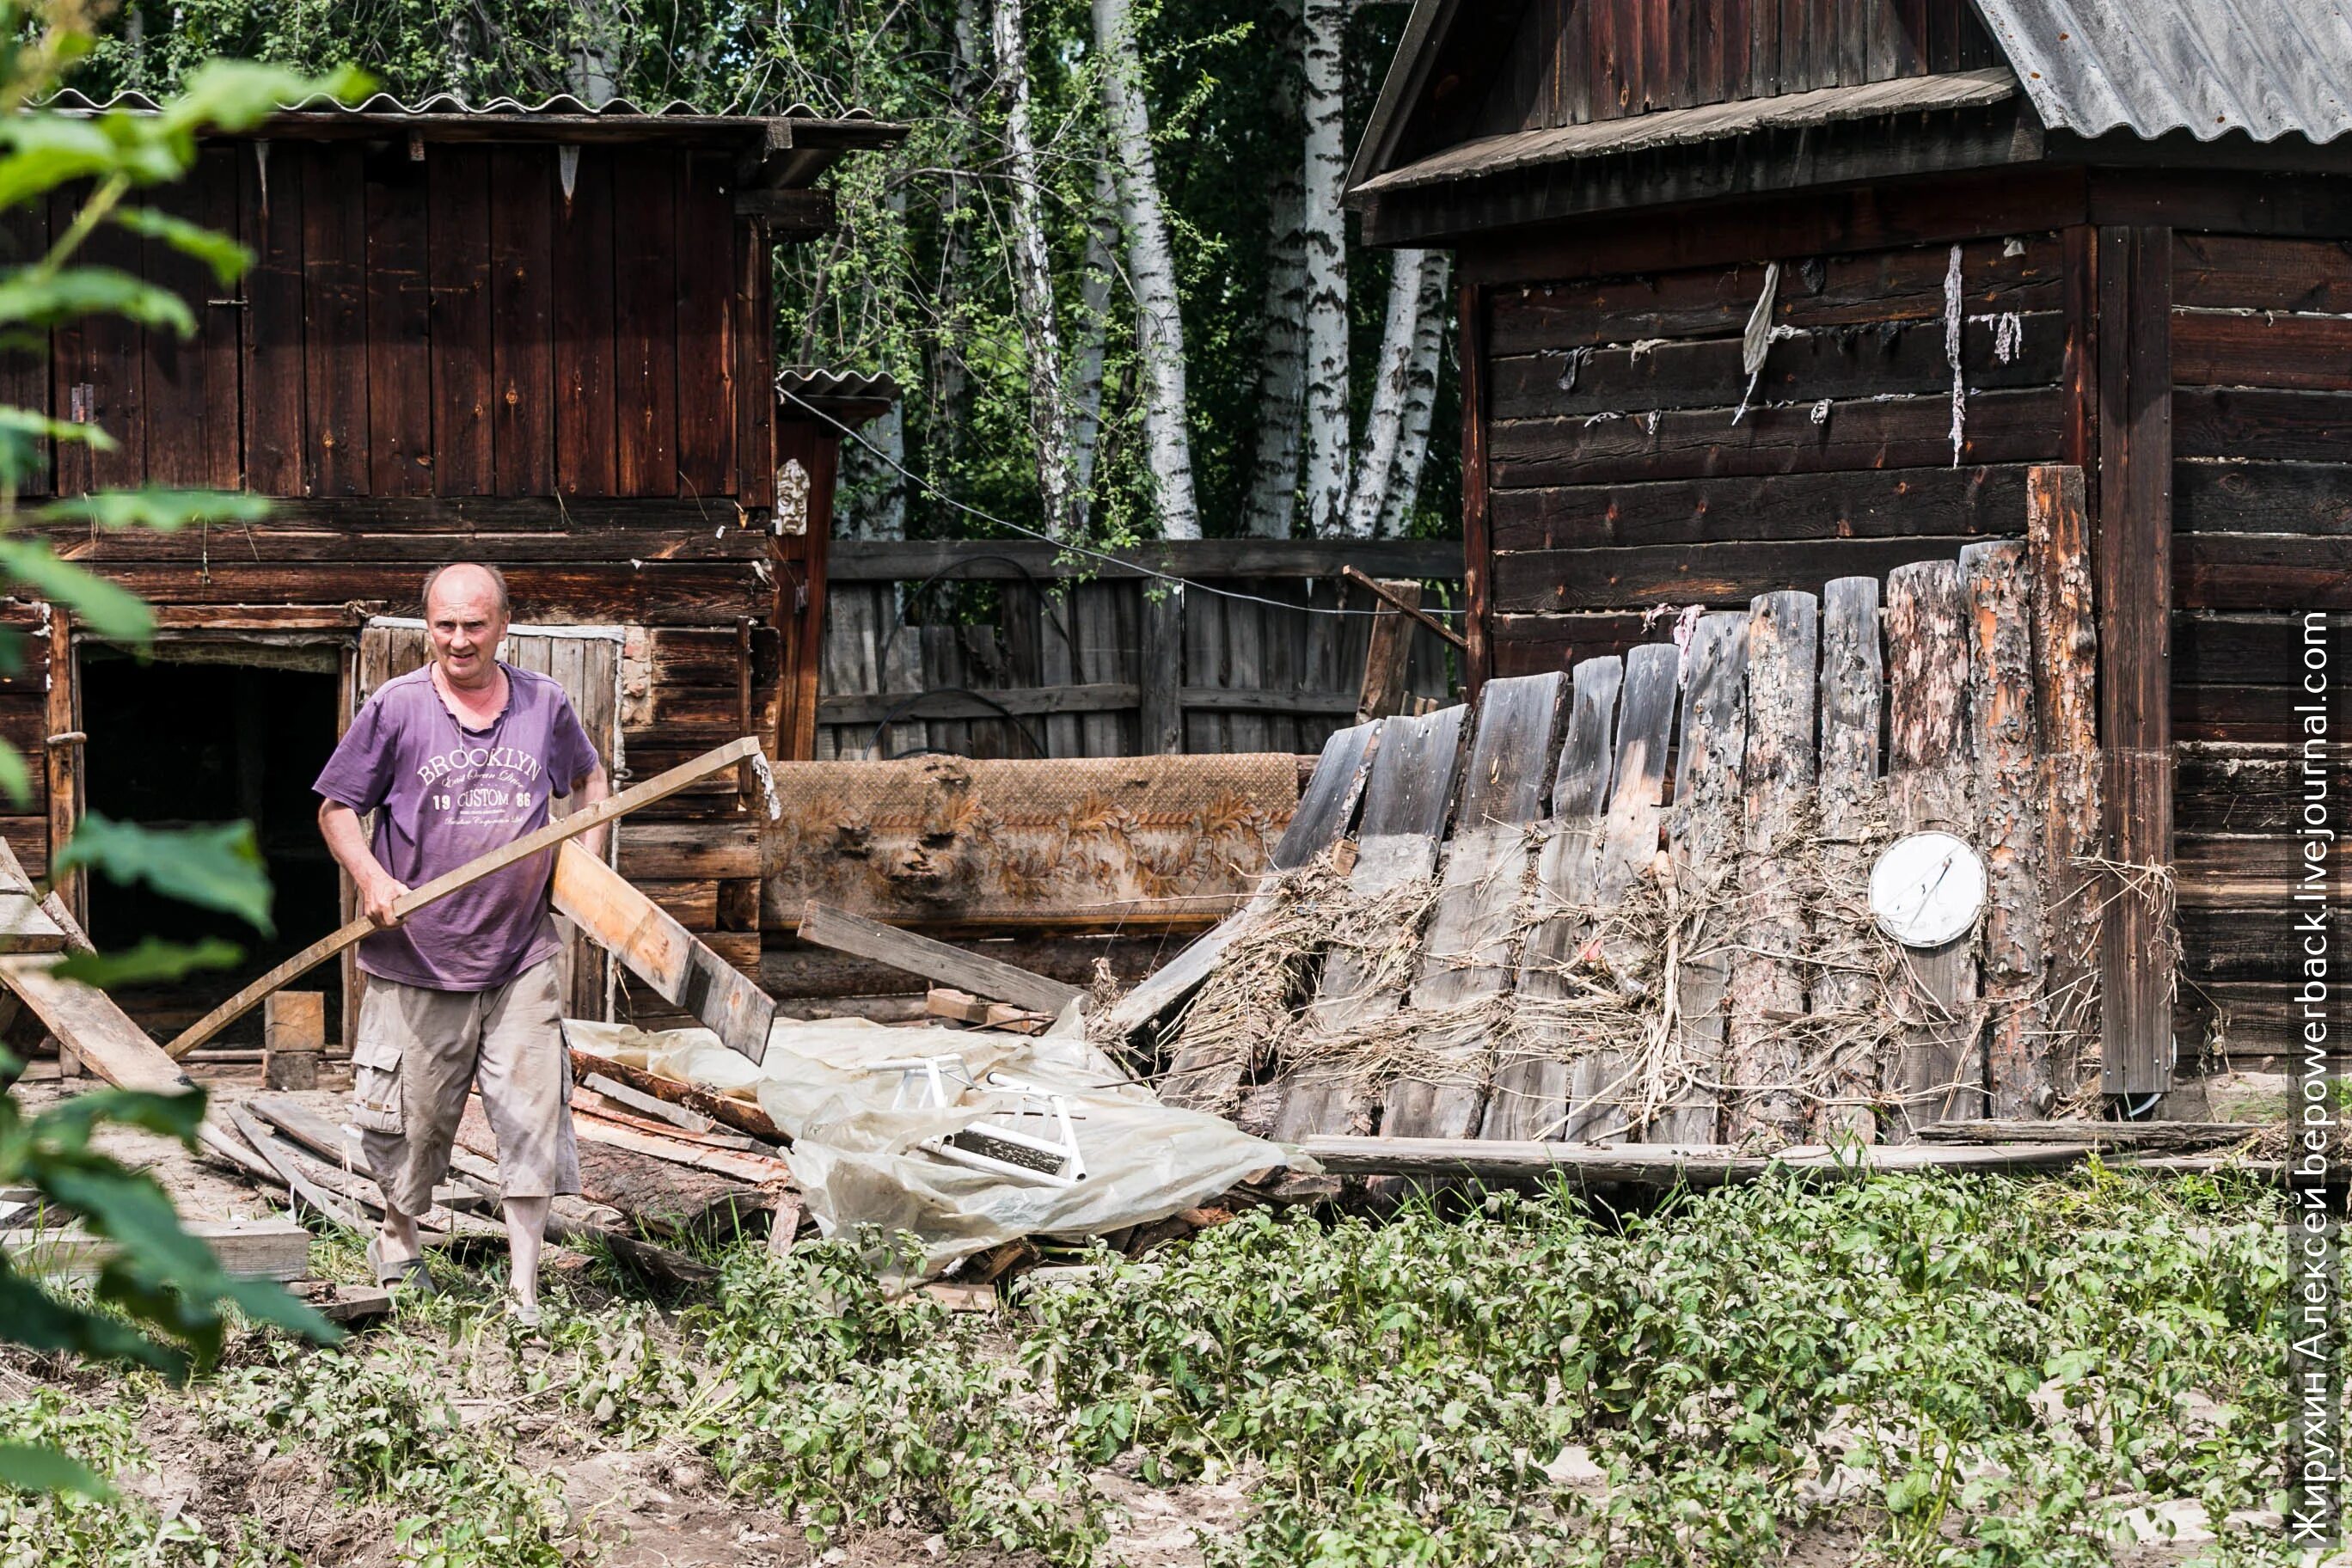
x: 526, y: 1234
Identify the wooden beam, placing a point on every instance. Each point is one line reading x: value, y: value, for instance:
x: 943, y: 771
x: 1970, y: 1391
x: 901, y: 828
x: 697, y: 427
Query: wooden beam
x: 912, y: 560
x: 934, y: 961
x: 2134, y: 567
x: 659, y: 787
x: 1657, y: 1164
x: 63, y: 757
x: 1404, y: 597
x: 682, y: 970
x: 1388, y: 652
x: 249, y: 1248
x: 1478, y: 543
x: 2066, y: 715
x: 741, y: 1115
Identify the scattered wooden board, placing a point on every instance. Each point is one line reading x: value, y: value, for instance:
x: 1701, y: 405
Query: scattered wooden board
x: 959, y: 967
x: 2002, y: 737
x: 249, y: 1249
x: 744, y: 1116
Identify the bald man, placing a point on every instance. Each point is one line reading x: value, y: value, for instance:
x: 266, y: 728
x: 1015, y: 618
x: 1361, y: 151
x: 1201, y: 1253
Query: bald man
x: 458, y: 759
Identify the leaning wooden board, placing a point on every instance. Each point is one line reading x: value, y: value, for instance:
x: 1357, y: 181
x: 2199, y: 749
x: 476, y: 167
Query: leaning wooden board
x: 681, y: 969
x: 659, y: 787
x: 1324, y: 809
x: 1406, y: 800
x: 1471, y: 945
x: 1701, y: 851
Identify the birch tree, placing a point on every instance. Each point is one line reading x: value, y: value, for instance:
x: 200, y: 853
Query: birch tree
x: 1033, y: 277
x: 1322, y: 107
x: 1152, y: 271
x: 1370, y: 475
x: 951, y: 382
x: 1096, y: 275
x: 1420, y: 395
x: 1282, y: 366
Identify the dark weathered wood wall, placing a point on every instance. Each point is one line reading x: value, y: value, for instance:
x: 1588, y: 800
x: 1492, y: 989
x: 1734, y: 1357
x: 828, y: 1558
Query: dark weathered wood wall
x: 2261, y: 368
x: 1568, y: 62
x: 1618, y: 477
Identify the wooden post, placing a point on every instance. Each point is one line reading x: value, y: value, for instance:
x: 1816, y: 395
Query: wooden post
x: 64, y: 758
x: 293, y: 1032
x: 2003, y: 738
x: 1387, y: 655
x: 1476, y: 542
x: 2135, y: 610
x: 1940, y: 1069
x: 2065, y: 717
x: 1777, y: 773
x: 1160, y: 671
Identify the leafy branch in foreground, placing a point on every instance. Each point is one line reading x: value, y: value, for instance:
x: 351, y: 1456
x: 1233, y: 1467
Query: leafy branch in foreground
x: 160, y: 1300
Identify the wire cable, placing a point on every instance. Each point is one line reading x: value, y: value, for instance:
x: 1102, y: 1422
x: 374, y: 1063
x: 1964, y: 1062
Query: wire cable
x: 1106, y: 557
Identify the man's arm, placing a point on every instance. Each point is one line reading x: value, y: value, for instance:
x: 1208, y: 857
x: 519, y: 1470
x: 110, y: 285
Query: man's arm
x: 596, y: 786
x: 339, y: 824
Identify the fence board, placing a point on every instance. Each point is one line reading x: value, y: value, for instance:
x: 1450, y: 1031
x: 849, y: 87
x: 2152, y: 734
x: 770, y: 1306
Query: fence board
x: 1845, y: 988
x: 2002, y: 736
x: 1701, y: 859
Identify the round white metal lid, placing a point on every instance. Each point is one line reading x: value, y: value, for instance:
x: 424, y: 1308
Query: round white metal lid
x: 1927, y: 890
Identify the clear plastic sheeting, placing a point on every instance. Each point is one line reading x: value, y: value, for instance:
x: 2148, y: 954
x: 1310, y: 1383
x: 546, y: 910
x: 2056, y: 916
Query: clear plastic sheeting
x: 962, y: 1138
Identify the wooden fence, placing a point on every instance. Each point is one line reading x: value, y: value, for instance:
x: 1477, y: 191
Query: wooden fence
x: 1004, y: 649
x: 1562, y: 979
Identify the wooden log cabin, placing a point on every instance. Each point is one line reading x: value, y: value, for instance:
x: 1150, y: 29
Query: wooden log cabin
x: 540, y: 337
x: 1966, y: 238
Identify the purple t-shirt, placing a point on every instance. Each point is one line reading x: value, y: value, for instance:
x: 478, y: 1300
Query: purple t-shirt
x: 444, y: 794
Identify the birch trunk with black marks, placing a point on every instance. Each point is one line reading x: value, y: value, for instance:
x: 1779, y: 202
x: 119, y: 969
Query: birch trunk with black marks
x: 1777, y: 782
x: 2000, y: 723
x: 1094, y: 280
x: 1326, y: 434
x: 1420, y: 395
x: 1152, y: 270
x: 950, y: 381
x: 1372, y: 474
x: 1033, y: 277
x: 1273, y: 498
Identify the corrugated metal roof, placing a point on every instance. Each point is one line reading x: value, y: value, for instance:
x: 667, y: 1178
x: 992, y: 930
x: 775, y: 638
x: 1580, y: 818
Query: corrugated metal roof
x: 2267, y: 68
x: 385, y: 105
x: 818, y: 384
x: 1670, y: 127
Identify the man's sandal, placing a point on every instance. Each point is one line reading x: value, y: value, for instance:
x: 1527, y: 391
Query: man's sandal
x: 409, y: 1274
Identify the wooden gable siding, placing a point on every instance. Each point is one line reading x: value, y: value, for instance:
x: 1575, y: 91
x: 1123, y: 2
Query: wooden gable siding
x: 1574, y: 61
x: 450, y: 326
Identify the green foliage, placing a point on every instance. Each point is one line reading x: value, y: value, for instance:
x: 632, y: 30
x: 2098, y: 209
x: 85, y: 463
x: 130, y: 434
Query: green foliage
x: 1951, y: 1373
x: 217, y: 867
x: 162, y: 1300
x: 151, y: 962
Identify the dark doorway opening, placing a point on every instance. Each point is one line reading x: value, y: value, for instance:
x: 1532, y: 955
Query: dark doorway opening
x: 212, y: 734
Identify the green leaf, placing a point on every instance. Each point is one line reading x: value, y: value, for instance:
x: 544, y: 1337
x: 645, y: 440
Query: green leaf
x: 23, y: 422
x: 41, y: 297
x: 33, y: 1318
x: 226, y: 257
x: 239, y: 95
x: 110, y: 612
x: 150, y: 962
x: 64, y: 1127
x: 153, y: 507
x: 33, y: 1469
x: 16, y: 779
x: 216, y: 867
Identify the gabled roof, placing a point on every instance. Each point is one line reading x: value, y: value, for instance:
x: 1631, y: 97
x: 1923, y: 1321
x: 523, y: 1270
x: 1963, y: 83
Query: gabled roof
x: 2267, y: 69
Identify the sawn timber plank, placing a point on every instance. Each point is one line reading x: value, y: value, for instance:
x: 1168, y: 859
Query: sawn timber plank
x: 1470, y: 952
